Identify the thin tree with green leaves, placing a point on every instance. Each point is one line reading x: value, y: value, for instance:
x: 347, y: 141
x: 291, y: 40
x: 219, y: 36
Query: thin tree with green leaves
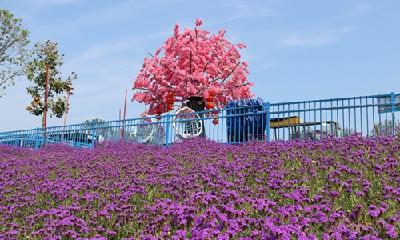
x: 45, y: 67
x: 13, y: 49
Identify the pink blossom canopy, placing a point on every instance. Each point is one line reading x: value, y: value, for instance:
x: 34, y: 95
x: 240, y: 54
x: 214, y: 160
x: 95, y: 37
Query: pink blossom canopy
x: 193, y: 63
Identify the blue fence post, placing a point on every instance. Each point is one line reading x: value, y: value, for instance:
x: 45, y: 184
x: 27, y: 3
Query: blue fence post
x: 94, y: 135
x: 125, y: 132
x: 37, y: 138
x: 44, y: 136
x: 393, y: 103
x: 268, y: 122
x: 167, y: 129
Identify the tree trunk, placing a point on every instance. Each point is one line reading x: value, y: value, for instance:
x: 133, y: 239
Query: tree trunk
x: 198, y: 105
x: 46, y: 96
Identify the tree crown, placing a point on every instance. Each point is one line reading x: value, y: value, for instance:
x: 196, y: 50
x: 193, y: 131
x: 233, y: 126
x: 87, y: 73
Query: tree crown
x: 13, y: 49
x: 47, y: 54
x: 193, y: 63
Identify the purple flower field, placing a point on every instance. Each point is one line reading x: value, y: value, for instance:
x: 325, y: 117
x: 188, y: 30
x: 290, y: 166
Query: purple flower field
x: 333, y: 189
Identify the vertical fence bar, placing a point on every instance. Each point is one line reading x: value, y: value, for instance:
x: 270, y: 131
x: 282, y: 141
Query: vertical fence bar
x: 297, y: 128
x: 320, y: 117
x: 373, y: 116
x: 361, y: 117
x: 337, y: 119
x: 289, y: 121
x: 94, y: 137
x: 167, y: 129
x: 279, y: 123
x: 315, y: 116
x: 331, y: 121
x: 268, y: 120
x: 343, y: 127
x: 302, y: 130
x: 380, y: 118
x: 367, y: 108
x: 355, y: 114
x: 393, y: 108
x: 283, y: 122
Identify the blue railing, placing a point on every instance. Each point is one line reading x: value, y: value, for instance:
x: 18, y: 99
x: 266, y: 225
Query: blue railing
x: 367, y: 115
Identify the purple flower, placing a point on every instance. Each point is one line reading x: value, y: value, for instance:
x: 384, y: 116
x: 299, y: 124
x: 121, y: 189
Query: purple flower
x: 374, y: 211
x: 334, y: 194
x: 203, y: 190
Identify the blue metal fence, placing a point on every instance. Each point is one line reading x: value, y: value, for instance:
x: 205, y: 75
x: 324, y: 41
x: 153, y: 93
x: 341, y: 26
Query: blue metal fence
x: 367, y: 115
x: 315, y: 119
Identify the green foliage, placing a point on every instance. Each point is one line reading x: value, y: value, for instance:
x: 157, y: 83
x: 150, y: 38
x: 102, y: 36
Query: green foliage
x: 47, y: 54
x: 386, y: 127
x: 13, y: 49
x: 94, y: 122
x: 99, y: 124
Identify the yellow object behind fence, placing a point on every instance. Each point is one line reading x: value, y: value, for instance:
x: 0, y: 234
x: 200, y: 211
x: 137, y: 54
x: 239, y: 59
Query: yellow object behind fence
x: 285, y: 122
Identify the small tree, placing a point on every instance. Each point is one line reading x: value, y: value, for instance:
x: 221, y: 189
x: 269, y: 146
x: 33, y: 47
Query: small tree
x: 386, y: 127
x: 192, y: 64
x: 94, y: 123
x: 347, y: 132
x: 100, y: 125
x: 13, y: 49
x: 46, y: 62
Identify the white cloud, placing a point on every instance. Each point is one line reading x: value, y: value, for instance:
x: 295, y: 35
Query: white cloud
x: 268, y: 65
x: 315, y: 39
x: 56, y: 1
x: 249, y: 9
x: 234, y: 10
x: 359, y: 8
x: 104, y: 50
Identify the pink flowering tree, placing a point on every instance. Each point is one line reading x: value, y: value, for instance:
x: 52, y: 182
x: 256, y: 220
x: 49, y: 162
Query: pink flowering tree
x: 192, y: 64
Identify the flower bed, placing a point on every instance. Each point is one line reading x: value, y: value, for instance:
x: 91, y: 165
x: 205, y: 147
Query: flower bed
x: 333, y: 189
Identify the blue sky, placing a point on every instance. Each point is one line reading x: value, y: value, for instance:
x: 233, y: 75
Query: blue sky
x: 297, y: 50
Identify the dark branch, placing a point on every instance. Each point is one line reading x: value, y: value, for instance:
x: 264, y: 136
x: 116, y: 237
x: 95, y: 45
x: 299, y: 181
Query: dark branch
x: 244, y: 84
x: 231, y: 72
x: 190, y: 63
x: 215, y: 79
x: 205, y: 67
x: 144, y: 89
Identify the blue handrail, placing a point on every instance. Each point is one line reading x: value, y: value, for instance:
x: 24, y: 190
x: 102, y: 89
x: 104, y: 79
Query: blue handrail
x: 238, y: 122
